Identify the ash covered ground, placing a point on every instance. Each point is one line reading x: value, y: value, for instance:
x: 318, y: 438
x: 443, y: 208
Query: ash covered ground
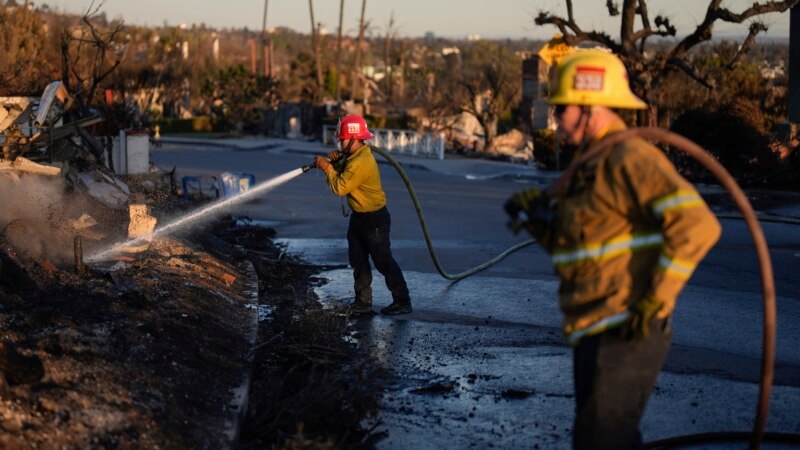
x: 148, y: 351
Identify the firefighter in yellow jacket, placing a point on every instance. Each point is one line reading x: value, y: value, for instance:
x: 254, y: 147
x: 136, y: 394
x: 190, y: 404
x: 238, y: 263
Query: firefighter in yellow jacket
x: 368, y: 231
x: 624, y: 235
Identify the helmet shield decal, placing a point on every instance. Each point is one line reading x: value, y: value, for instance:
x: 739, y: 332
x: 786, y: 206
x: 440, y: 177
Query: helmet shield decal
x: 589, y: 78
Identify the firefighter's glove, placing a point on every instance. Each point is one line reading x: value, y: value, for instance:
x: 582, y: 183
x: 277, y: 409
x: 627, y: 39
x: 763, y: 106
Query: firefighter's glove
x: 525, y: 207
x: 333, y: 156
x: 642, y: 313
x: 321, y: 163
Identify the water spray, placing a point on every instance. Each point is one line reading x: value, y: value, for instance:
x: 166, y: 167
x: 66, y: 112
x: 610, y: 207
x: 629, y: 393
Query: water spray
x: 202, y: 213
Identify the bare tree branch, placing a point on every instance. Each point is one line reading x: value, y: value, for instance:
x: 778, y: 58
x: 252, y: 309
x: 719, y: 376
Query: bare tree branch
x: 626, y: 28
x: 755, y: 28
x: 642, y: 11
x: 690, y: 70
x: 716, y: 12
x: 613, y: 8
x: 92, y: 9
x: 663, y: 27
x: 577, y: 35
x: 88, y: 56
x: 756, y: 10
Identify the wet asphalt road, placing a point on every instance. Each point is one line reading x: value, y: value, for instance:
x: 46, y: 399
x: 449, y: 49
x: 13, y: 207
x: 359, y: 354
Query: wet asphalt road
x: 481, y: 363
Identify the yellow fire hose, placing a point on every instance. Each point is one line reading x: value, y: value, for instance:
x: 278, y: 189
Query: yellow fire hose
x: 757, y: 435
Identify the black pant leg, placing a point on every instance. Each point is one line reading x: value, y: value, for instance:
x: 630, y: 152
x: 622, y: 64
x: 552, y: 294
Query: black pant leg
x: 381, y: 251
x: 614, y: 376
x: 358, y: 254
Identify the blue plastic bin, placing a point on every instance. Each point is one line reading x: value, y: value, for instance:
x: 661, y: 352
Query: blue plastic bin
x: 236, y: 183
x: 200, y: 187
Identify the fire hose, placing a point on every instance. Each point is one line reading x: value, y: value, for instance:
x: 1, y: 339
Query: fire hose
x: 424, y: 225
x: 758, y: 434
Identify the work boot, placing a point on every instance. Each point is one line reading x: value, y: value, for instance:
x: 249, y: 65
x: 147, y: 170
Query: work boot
x: 397, y: 308
x: 358, y: 308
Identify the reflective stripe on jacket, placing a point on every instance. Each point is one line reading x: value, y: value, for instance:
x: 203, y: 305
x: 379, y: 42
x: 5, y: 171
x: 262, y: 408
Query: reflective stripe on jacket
x: 360, y: 181
x: 628, y: 225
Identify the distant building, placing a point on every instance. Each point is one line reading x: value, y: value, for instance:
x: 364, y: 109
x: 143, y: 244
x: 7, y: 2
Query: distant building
x: 534, y: 107
x: 769, y: 72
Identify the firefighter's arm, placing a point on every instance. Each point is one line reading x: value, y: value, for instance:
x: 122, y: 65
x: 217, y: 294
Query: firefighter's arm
x: 688, y: 227
x: 345, y: 182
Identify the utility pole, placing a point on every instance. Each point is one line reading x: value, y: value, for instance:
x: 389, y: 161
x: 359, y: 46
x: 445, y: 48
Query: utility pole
x: 339, y: 55
x: 315, y: 44
x: 387, y: 61
x: 251, y: 43
x: 265, y: 50
x: 357, y: 64
x: 794, y: 71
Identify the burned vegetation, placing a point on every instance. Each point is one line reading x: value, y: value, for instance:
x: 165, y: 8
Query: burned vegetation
x: 158, y: 349
x: 310, y: 389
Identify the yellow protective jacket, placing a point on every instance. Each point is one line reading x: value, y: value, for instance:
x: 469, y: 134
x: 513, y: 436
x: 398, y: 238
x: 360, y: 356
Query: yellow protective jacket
x: 627, y: 226
x: 360, y: 181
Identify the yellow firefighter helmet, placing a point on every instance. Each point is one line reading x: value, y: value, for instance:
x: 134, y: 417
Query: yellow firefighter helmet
x: 594, y: 78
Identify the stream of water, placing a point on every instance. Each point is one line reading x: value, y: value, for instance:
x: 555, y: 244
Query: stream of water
x: 203, y: 213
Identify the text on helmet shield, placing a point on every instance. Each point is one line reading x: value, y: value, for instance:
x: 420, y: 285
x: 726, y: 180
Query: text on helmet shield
x: 589, y: 78
x: 353, y: 128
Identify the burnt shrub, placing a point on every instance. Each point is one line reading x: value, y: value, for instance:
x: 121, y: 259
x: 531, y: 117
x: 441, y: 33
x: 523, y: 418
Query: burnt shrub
x: 734, y: 134
x: 546, y: 153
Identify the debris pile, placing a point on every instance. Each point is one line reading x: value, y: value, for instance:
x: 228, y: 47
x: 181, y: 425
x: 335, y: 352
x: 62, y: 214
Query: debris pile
x: 143, y: 354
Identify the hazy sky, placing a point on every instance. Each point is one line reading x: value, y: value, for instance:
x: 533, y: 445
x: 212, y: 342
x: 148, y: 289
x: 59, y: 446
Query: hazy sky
x: 450, y: 18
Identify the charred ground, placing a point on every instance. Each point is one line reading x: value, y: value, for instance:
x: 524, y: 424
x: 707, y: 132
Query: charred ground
x: 146, y: 355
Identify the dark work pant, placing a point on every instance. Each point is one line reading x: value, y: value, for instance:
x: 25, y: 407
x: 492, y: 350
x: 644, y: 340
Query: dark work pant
x: 614, y: 375
x: 368, y: 236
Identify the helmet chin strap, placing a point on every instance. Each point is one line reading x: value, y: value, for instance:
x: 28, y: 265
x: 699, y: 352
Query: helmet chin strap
x: 346, y: 150
x: 586, y: 116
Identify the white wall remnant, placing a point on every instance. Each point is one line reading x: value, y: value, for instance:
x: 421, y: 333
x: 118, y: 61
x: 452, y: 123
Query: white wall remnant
x: 109, y: 191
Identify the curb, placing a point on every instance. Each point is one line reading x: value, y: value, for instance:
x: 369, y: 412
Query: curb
x: 221, y: 144
x: 238, y: 406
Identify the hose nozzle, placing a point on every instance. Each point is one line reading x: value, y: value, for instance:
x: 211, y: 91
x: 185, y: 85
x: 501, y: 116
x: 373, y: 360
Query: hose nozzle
x: 308, y: 167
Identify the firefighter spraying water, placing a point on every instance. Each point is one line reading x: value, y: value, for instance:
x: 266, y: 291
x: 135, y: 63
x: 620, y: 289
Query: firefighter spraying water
x: 357, y: 177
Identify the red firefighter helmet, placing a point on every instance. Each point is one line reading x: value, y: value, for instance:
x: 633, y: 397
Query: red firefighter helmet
x: 353, y: 127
